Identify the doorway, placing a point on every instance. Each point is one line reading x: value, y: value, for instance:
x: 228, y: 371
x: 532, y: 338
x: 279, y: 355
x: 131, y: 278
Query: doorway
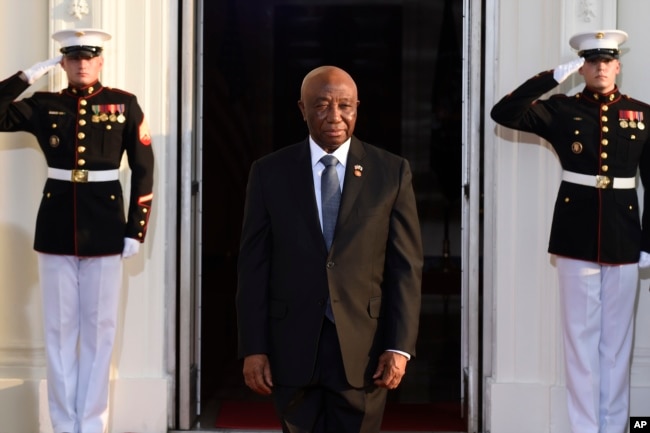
x: 406, y: 60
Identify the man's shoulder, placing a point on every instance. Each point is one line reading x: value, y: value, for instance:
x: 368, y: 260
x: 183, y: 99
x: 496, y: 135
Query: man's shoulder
x: 637, y: 102
x: 374, y: 151
x: 110, y: 89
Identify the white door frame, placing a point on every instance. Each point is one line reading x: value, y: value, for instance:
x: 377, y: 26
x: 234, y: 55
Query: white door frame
x: 189, y: 260
x: 470, y: 225
x: 189, y: 228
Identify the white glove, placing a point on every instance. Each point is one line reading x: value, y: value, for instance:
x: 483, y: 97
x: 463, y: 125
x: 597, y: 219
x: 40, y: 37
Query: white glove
x: 644, y: 260
x: 39, y: 69
x: 563, y: 72
x: 131, y: 247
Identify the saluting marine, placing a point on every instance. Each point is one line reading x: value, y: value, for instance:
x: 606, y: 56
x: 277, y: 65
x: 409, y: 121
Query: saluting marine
x: 601, y: 140
x: 82, y: 232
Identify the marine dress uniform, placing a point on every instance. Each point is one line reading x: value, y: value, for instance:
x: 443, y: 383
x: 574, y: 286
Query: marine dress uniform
x: 81, y: 226
x: 601, y: 140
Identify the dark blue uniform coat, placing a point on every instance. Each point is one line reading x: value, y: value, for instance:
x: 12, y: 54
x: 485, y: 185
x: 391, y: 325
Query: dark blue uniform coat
x: 592, y: 134
x: 89, y: 129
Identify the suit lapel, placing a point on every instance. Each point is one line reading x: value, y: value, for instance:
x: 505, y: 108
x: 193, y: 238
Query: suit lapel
x: 353, y: 184
x: 302, y: 184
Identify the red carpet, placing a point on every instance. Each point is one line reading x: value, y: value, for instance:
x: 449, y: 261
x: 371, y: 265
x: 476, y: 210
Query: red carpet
x: 398, y: 417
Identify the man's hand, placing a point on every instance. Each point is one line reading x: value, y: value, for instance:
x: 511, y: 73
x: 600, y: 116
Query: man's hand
x: 257, y: 374
x: 131, y: 247
x: 39, y: 69
x: 644, y: 260
x: 565, y: 70
x: 390, y: 370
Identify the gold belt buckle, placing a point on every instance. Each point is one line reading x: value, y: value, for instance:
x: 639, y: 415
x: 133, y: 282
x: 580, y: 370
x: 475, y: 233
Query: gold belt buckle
x: 80, y: 176
x: 603, y: 182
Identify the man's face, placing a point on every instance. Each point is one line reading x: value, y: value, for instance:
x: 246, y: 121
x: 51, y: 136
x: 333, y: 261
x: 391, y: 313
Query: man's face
x: 82, y: 71
x: 600, y: 73
x: 329, y: 106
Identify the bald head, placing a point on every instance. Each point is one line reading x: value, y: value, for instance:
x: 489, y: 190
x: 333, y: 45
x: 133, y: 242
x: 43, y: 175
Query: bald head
x: 325, y: 73
x: 328, y: 102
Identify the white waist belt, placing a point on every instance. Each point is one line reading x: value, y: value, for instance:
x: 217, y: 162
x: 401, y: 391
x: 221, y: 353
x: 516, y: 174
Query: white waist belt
x: 599, y: 181
x: 83, y: 176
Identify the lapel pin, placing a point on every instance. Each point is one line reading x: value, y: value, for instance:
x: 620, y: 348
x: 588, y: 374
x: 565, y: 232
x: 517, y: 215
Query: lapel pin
x: 358, y: 169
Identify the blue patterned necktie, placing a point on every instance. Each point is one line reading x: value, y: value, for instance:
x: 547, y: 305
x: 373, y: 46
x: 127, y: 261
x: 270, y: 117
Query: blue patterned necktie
x: 330, y: 193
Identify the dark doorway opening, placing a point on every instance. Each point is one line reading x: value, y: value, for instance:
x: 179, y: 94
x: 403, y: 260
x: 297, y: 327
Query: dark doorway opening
x: 406, y: 61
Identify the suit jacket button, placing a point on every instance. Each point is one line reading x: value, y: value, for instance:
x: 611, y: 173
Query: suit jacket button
x: 330, y: 265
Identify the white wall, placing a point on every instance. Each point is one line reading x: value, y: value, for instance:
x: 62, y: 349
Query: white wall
x: 139, y: 59
x: 522, y: 174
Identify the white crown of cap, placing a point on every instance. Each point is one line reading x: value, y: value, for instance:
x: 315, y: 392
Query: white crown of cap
x: 77, y: 37
x: 599, y: 39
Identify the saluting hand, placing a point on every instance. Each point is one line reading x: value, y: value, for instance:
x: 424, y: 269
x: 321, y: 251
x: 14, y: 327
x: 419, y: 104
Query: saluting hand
x: 39, y: 69
x: 565, y: 70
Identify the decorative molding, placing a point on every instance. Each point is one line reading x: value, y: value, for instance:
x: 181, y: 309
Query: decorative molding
x: 22, y: 355
x: 586, y: 10
x: 78, y: 8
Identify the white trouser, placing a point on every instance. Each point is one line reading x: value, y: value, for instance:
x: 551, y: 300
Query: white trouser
x: 80, y: 305
x: 597, y: 303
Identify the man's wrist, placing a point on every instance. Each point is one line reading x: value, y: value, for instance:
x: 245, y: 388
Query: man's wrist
x: 406, y: 355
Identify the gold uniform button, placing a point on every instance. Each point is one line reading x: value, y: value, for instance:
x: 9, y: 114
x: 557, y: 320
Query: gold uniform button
x: 632, y: 137
x: 48, y: 195
x: 605, y: 108
x: 112, y: 196
x: 604, y: 142
x: 81, y: 162
x: 603, y: 155
x: 83, y: 102
x: 566, y: 199
x: 142, y: 223
x: 604, y: 168
x: 631, y: 207
x: 81, y: 149
x: 81, y: 136
x: 144, y: 210
x: 604, y: 118
x: 576, y: 132
x: 82, y: 122
x: 109, y: 127
x: 82, y: 111
x: 54, y: 126
x: 140, y: 234
x: 605, y: 129
x: 91, y: 90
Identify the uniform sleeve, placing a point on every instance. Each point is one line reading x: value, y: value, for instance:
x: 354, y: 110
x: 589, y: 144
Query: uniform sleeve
x: 141, y: 162
x: 14, y: 116
x: 523, y: 110
x: 644, y: 171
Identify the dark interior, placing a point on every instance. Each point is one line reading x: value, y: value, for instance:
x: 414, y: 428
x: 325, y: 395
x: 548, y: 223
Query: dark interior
x: 406, y: 60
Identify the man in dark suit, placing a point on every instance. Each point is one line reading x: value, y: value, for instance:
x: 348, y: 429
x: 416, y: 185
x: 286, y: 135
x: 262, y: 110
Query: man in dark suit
x: 326, y: 331
x: 601, y: 140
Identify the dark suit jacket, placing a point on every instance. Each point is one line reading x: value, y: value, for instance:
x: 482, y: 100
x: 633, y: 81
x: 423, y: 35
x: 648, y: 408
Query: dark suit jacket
x: 372, y: 272
x: 589, y: 137
x: 74, y: 131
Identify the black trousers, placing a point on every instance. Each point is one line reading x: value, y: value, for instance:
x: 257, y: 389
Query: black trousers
x: 328, y: 404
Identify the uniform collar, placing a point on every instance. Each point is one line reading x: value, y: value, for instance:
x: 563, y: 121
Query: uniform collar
x: 82, y: 92
x: 600, y: 98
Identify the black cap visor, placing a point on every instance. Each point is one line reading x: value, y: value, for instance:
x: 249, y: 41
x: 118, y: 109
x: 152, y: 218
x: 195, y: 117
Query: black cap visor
x: 599, y: 53
x: 81, y: 52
